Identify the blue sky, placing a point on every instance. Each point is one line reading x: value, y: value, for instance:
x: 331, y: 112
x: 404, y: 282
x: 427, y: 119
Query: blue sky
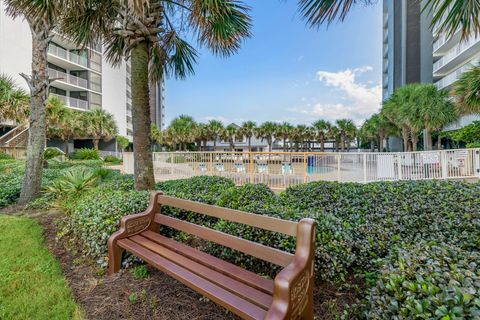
x: 287, y: 71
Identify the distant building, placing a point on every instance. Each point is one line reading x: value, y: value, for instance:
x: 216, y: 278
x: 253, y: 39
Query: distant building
x: 407, y: 45
x: 412, y: 53
x: 85, y: 79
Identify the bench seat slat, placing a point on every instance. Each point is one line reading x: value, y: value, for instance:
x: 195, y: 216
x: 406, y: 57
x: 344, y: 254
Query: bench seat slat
x: 246, y: 292
x: 254, y: 249
x: 212, y: 291
x: 247, y: 277
x: 251, y: 219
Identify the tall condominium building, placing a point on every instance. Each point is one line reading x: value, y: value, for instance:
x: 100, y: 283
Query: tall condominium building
x: 407, y: 45
x: 452, y: 57
x: 413, y: 53
x: 85, y: 79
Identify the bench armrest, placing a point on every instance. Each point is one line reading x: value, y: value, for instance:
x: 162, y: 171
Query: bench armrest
x: 293, y: 286
x: 136, y: 223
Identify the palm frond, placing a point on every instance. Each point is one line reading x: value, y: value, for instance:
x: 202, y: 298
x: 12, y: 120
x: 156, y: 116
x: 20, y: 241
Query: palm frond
x: 451, y: 15
x: 318, y: 12
x: 221, y: 25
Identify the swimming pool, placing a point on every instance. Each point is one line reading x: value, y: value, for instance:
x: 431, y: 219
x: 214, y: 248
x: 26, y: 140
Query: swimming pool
x: 319, y: 169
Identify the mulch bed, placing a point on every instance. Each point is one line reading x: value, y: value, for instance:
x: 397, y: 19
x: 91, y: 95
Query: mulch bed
x: 157, y: 297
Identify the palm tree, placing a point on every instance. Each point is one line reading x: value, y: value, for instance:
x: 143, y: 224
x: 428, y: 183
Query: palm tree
x: 215, y: 130
x: 267, y: 131
x: 63, y: 123
x: 100, y: 125
x: 148, y: 32
x: 394, y: 110
x: 321, y: 128
x: 433, y: 109
x: 334, y: 134
x: 347, y: 132
x: 448, y: 15
x: 14, y: 101
x: 42, y: 17
x: 284, y: 130
x: 248, y: 130
x: 467, y: 91
x: 229, y: 134
x: 299, y: 135
x: 183, y: 129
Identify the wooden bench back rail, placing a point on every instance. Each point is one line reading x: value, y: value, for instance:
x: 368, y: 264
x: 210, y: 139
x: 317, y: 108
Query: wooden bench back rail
x: 254, y: 249
x: 289, y: 296
x: 250, y: 219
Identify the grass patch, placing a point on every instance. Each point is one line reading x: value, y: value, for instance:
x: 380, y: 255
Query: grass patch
x: 32, y: 285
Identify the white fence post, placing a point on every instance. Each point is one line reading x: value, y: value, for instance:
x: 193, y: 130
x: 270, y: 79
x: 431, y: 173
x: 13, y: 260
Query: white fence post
x: 339, y: 166
x: 399, y: 165
x: 476, y: 154
x: 444, y: 164
x: 364, y: 167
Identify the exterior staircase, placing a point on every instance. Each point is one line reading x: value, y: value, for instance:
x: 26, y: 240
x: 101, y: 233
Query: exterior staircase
x: 17, y: 137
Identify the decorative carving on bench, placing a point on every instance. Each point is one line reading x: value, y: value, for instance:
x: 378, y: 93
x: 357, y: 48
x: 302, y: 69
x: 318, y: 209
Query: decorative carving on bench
x: 138, y: 225
x: 299, y: 294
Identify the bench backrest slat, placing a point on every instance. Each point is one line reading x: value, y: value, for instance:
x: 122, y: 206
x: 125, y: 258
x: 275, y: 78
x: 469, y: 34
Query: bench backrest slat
x: 254, y: 220
x: 254, y: 249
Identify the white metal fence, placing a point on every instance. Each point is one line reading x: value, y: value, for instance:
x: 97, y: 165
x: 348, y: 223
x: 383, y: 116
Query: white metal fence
x: 282, y: 169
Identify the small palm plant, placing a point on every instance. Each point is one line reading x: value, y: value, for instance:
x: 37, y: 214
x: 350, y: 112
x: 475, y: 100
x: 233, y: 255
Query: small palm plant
x: 72, y: 182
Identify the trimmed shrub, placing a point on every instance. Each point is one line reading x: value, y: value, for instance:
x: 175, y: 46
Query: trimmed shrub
x: 4, y: 156
x: 87, y: 154
x: 204, y: 189
x: 112, y: 160
x: 96, y: 215
x: 427, y: 281
x: 357, y: 224
x: 10, y: 187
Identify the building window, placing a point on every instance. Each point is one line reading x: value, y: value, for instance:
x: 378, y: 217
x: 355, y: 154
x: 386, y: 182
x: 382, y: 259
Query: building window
x: 95, y: 82
x: 81, y: 95
x: 95, y: 100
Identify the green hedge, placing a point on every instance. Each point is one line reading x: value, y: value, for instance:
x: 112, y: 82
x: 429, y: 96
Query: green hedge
x: 427, y: 281
x: 359, y: 223
x: 87, y: 154
x: 96, y: 215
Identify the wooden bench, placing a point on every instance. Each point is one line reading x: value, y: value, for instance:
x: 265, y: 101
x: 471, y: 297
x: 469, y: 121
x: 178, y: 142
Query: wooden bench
x: 288, y: 296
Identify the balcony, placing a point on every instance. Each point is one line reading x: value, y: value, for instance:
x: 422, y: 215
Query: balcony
x: 72, y: 102
x: 457, y: 54
x: 452, y: 77
x: 67, y: 55
x: 68, y: 78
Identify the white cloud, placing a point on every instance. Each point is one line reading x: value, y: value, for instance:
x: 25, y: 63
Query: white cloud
x: 358, y: 100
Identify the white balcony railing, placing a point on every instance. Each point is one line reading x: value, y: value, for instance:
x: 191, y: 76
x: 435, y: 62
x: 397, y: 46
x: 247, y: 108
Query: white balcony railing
x: 67, y: 55
x: 68, y: 78
x: 452, y: 77
x: 454, y: 52
x: 72, y: 102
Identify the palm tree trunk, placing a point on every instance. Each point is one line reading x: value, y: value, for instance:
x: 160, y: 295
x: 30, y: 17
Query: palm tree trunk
x: 405, y: 138
x: 284, y: 145
x: 428, y: 139
x: 38, y: 84
x: 322, y: 144
x: 95, y: 143
x: 414, y: 141
x: 143, y: 170
x: 249, y: 144
x: 67, y: 148
x: 380, y: 141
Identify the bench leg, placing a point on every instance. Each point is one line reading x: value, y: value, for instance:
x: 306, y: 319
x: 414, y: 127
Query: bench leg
x: 114, y: 258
